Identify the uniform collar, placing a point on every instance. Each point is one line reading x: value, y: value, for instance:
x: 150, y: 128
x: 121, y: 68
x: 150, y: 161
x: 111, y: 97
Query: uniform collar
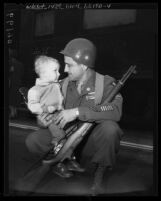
x: 88, y: 84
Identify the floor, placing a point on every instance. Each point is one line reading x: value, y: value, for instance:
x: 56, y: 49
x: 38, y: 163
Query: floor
x: 132, y: 175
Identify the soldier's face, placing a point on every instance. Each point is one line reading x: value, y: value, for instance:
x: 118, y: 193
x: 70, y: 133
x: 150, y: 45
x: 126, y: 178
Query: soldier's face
x: 75, y: 71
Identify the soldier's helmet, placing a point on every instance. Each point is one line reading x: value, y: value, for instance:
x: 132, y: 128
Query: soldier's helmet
x: 81, y: 50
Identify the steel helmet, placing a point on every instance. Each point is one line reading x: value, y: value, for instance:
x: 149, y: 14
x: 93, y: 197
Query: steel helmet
x: 81, y: 50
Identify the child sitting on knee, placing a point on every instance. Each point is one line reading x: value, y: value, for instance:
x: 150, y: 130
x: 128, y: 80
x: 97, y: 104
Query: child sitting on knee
x: 46, y: 96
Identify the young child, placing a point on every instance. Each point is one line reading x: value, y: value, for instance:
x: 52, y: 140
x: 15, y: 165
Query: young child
x: 46, y: 96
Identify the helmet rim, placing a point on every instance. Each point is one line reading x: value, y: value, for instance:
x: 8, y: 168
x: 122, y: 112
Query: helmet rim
x: 81, y: 50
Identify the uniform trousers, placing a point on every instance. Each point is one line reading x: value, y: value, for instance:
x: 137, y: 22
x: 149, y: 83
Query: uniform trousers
x: 101, y: 147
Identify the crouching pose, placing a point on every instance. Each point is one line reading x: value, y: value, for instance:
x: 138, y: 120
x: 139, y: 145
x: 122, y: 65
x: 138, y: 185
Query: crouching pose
x: 80, y: 90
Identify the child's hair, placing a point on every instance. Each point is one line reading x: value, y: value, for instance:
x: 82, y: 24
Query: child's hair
x: 40, y: 62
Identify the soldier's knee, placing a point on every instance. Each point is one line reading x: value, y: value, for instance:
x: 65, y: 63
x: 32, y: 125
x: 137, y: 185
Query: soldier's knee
x: 110, y: 130
x: 109, y: 126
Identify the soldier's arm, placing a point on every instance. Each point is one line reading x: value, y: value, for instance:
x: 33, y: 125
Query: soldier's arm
x: 112, y: 111
x: 104, y: 111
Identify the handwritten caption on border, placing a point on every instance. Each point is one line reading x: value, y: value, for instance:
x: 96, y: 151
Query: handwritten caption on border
x: 61, y: 6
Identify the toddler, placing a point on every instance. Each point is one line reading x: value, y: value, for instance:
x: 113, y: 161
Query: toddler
x: 46, y: 96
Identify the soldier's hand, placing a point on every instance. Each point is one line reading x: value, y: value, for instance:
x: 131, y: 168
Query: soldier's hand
x: 65, y: 116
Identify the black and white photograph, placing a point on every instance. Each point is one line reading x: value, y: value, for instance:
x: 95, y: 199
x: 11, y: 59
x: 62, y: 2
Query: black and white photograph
x: 99, y: 63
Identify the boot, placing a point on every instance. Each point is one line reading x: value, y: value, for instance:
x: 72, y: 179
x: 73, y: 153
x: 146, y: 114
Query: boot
x: 61, y: 170
x: 73, y: 165
x: 98, y: 178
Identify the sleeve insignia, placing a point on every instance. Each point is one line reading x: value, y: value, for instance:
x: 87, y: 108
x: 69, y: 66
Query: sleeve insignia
x: 106, y: 108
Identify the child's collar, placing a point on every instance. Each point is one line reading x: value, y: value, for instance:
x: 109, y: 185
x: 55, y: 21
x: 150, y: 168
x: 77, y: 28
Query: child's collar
x: 43, y: 83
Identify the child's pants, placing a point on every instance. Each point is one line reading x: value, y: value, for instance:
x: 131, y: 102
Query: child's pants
x: 56, y: 133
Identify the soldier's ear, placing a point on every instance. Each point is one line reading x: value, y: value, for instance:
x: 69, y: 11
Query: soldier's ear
x: 84, y: 67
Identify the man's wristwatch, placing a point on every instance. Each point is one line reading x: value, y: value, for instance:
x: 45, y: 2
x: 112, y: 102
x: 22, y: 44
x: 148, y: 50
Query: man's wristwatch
x: 77, y: 112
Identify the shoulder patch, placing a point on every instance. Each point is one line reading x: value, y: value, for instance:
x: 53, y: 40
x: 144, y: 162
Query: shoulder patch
x: 109, y: 80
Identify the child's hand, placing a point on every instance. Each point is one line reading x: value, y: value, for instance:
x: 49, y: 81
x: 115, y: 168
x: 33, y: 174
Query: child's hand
x: 44, y: 120
x: 51, y: 109
x: 60, y: 107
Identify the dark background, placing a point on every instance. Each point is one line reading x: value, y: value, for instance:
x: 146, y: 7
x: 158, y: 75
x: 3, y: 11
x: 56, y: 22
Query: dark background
x: 117, y: 48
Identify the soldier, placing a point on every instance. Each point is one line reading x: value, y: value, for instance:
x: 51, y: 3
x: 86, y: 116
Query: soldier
x: 80, y: 90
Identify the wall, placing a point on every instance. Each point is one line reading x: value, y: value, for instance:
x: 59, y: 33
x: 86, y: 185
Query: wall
x: 118, y: 47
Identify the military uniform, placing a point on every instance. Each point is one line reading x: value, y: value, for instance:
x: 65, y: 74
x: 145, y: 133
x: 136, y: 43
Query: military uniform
x: 104, y: 140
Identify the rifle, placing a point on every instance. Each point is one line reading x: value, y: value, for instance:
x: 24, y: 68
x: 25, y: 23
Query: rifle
x: 66, y: 146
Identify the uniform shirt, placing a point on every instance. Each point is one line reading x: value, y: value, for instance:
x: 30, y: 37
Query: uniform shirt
x: 44, y: 94
x: 85, y: 101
